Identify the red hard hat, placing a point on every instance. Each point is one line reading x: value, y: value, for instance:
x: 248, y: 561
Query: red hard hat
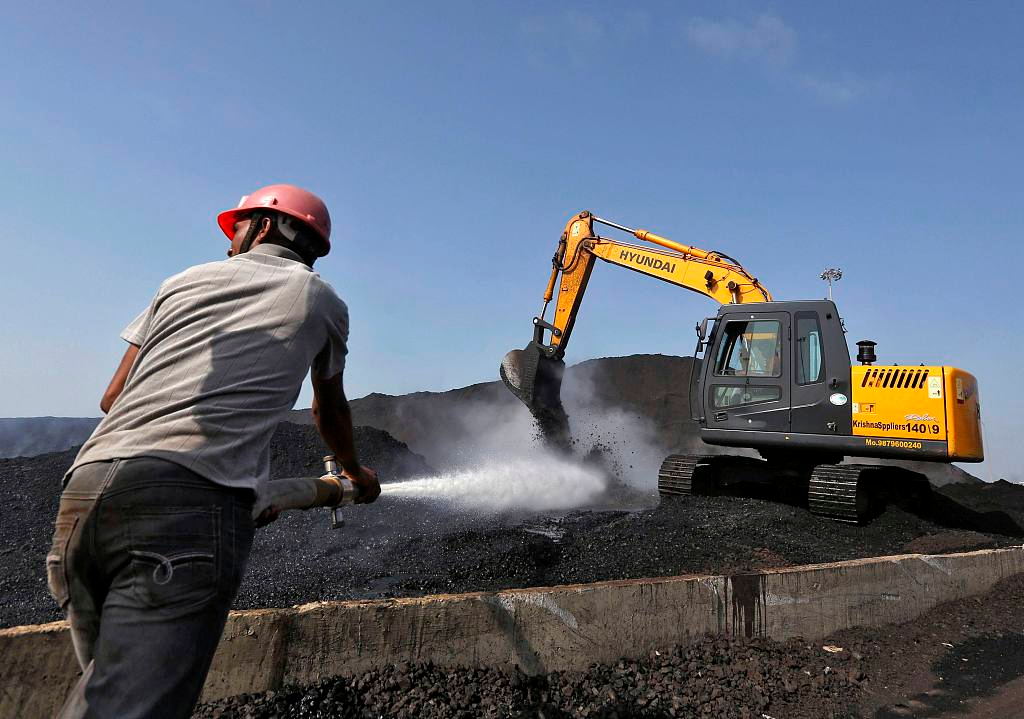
x: 289, y: 199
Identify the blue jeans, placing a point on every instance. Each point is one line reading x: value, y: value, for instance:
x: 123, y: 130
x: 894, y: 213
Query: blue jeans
x: 146, y: 560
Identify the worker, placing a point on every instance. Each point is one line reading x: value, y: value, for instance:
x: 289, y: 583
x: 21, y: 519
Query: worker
x: 155, y: 524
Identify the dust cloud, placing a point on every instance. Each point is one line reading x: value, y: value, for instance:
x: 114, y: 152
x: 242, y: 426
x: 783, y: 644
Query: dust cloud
x: 500, y: 463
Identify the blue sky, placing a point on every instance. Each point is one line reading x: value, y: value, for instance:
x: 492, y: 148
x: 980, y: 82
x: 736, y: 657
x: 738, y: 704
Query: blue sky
x: 452, y: 141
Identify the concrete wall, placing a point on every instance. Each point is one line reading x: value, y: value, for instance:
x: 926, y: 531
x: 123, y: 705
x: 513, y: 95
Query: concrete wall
x: 538, y: 629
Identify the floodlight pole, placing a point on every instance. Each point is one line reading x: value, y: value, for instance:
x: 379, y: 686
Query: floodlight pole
x: 830, y: 275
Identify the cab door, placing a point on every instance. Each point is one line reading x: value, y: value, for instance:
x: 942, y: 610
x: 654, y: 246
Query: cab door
x: 746, y: 379
x: 821, y: 371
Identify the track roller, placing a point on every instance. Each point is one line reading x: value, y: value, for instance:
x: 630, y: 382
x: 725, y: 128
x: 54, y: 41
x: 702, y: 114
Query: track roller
x: 838, y: 492
x: 683, y: 474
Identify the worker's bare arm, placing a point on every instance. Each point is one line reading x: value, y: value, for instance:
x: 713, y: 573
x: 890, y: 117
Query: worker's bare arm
x: 116, y: 385
x: 333, y: 420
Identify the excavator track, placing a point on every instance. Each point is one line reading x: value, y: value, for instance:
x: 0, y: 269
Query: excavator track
x: 836, y: 491
x: 676, y: 475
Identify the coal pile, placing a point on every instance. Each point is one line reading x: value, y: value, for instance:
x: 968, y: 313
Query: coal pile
x: 409, y: 547
x: 31, y: 487
x: 31, y: 490
x: 996, y: 504
x: 29, y: 436
x: 714, y: 676
x: 297, y: 451
x: 682, y: 535
x: 405, y: 547
x: 440, y: 425
x: 962, y: 658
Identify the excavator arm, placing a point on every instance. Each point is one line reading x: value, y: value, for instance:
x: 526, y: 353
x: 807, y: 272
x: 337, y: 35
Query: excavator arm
x: 713, y: 274
x: 534, y: 374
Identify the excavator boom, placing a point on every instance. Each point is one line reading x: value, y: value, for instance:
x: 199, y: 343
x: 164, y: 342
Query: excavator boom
x: 534, y: 374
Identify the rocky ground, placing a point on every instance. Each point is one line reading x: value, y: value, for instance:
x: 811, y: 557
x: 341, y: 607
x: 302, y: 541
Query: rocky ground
x: 961, y: 659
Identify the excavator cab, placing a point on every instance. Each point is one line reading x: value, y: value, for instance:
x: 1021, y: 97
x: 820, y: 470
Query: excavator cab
x: 774, y: 368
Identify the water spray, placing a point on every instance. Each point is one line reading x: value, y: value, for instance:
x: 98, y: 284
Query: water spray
x: 550, y: 483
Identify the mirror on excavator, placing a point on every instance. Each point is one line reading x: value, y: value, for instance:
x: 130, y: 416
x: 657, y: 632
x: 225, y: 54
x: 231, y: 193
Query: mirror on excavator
x: 536, y: 380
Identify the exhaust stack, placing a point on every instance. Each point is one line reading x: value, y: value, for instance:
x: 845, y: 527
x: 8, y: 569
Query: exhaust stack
x: 866, y: 352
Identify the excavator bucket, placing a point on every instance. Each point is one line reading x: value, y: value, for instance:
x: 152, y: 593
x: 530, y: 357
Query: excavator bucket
x: 532, y: 377
x: 537, y: 381
x: 519, y: 372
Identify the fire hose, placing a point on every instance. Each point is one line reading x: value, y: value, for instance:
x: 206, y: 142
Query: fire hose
x: 332, y: 489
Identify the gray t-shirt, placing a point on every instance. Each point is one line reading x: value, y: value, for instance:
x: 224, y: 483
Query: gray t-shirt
x: 223, y: 350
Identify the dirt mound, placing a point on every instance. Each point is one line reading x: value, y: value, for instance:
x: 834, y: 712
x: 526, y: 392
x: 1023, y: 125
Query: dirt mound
x: 939, y: 475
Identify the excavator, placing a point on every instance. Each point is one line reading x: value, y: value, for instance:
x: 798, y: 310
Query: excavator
x: 775, y: 377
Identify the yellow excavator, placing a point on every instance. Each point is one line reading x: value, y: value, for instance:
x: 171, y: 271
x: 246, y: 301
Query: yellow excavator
x: 775, y: 377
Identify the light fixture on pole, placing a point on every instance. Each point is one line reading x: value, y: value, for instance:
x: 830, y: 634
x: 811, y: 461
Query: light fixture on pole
x: 830, y: 275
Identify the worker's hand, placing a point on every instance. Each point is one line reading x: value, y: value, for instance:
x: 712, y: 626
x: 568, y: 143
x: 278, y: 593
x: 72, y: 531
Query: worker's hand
x: 267, y: 516
x: 366, y: 480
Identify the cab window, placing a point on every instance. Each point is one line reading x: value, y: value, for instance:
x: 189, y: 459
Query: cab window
x: 809, y: 365
x: 750, y: 349
x: 735, y: 395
